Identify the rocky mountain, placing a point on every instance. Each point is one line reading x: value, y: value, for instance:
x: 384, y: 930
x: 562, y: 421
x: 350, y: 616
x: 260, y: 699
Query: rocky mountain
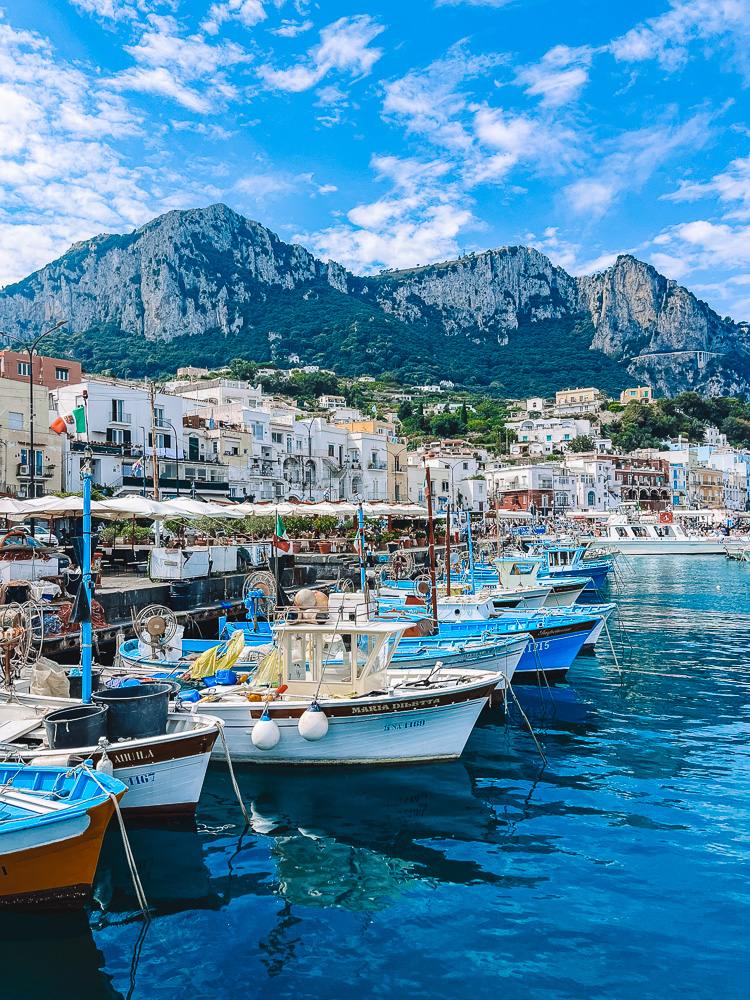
x: 206, y: 285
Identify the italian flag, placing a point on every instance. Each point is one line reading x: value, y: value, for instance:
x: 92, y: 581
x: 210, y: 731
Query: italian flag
x: 280, y: 538
x: 70, y: 423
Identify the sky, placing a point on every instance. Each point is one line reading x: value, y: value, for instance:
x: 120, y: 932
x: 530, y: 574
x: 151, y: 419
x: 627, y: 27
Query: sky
x: 388, y: 134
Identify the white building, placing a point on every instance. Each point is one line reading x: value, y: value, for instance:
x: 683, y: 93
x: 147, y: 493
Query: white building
x: 454, y: 466
x: 123, y: 441
x: 596, y: 487
x: 544, y: 437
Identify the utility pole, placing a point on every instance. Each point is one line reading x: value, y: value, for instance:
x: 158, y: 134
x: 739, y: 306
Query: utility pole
x: 30, y: 348
x: 154, y: 459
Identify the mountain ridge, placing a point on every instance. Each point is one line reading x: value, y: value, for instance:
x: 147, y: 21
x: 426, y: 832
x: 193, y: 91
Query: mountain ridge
x: 197, y: 282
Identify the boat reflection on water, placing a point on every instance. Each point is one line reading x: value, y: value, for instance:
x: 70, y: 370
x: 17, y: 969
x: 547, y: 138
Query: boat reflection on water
x: 553, y: 705
x: 52, y: 955
x: 324, y: 872
x: 171, y: 866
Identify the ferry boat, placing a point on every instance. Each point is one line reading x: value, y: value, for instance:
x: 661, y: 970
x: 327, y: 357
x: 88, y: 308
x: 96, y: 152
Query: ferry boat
x: 52, y: 823
x: 664, y: 538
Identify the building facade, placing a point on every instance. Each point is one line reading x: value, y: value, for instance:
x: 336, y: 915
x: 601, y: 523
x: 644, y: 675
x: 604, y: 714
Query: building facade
x: 16, y: 456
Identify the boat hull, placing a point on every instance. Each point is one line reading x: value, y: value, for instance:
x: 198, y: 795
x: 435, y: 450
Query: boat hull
x: 411, y: 729
x: 668, y: 546
x: 164, y: 775
x: 58, y: 873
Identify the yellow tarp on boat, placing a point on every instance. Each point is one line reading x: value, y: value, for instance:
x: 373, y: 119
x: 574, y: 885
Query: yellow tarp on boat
x: 220, y: 657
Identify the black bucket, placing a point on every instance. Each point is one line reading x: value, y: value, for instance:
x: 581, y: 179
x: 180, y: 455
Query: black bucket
x: 76, y: 683
x: 79, y: 726
x: 182, y: 595
x: 136, y: 711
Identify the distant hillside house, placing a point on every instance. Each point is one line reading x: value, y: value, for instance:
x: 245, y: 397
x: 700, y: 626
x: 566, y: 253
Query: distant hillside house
x: 331, y: 402
x: 577, y: 401
x: 640, y: 394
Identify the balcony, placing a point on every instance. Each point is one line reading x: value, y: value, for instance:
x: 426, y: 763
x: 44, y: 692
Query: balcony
x: 123, y: 418
x: 23, y: 471
x: 100, y: 448
x: 172, y: 485
x: 377, y: 465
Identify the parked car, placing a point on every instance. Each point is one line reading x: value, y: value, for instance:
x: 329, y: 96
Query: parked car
x: 40, y: 534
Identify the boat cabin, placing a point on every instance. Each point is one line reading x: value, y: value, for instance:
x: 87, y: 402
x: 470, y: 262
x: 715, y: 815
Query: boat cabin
x: 517, y: 571
x: 652, y: 532
x: 465, y: 608
x: 351, y: 659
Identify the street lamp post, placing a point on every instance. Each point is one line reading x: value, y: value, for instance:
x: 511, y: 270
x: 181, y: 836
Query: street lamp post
x: 29, y: 347
x: 176, y: 454
x: 308, y: 426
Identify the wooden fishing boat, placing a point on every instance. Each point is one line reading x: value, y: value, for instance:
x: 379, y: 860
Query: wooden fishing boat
x: 328, y: 694
x: 52, y: 821
x: 163, y: 773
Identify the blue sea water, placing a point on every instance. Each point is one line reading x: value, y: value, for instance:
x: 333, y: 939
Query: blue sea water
x: 619, y: 870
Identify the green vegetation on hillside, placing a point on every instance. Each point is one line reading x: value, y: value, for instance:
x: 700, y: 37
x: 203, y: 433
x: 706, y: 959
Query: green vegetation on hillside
x: 688, y: 414
x: 355, y: 337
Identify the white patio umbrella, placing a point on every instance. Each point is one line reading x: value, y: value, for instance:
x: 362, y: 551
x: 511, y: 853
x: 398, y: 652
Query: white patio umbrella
x: 129, y: 505
x: 187, y: 507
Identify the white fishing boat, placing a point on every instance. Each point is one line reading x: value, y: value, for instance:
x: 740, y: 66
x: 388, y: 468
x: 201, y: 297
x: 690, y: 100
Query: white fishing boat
x: 659, y: 539
x: 332, y: 696
x: 519, y: 574
x: 164, y: 773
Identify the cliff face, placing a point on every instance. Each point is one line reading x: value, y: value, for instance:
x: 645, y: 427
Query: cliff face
x: 184, y: 273
x: 211, y: 275
x: 486, y: 292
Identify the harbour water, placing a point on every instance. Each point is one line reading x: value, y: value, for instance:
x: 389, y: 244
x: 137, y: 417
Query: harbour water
x: 620, y: 869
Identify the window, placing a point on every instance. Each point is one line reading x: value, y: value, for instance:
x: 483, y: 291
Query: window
x: 591, y: 498
x: 117, y: 405
x: 24, y: 368
x: 445, y: 486
x: 331, y: 451
x: 193, y: 451
x: 62, y: 374
x: 258, y: 431
x: 15, y: 421
x: 466, y: 465
x: 277, y: 438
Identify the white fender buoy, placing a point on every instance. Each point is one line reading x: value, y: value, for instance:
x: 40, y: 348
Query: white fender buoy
x: 265, y: 734
x: 105, y: 765
x: 313, y: 724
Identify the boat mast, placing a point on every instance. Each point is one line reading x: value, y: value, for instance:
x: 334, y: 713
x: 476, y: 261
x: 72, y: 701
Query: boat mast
x: 433, y: 584
x: 154, y: 459
x: 448, y: 547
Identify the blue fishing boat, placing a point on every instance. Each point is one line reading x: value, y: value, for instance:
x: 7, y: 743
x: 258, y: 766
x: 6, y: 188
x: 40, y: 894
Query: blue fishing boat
x: 52, y: 821
x: 565, y: 560
x: 555, y: 638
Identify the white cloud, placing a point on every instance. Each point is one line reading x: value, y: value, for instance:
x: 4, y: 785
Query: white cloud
x: 636, y: 156
x: 185, y: 68
x: 344, y: 47
x: 416, y: 224
x: 61, y: 177
x: 109, y: 10
x: 431, y: 102
x: 560, y: 76
x: 732, y: 185
x: 568, y: 254
x: 246, y: 12
x: 667, y: 38
x: 290, y: 29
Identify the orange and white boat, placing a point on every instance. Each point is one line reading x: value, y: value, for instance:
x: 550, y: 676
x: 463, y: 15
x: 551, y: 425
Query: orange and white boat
x: 52, y: 821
